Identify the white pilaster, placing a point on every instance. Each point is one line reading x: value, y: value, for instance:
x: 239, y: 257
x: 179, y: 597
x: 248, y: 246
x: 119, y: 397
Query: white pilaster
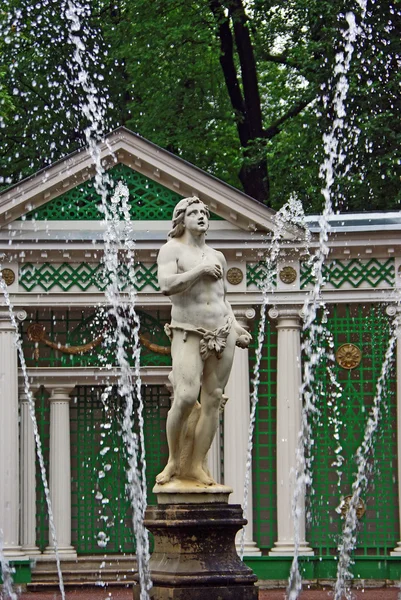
x: 236, y: 432
x: 60, y: 471
x: 394, y: 311
x: 289, y: 411
x: 9, y: 442
x: 28, y: 479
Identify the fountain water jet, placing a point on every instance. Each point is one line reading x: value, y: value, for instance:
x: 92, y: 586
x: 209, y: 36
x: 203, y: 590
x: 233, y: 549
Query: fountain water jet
x: 6, y: 574
x: 38, y: 443
x: 334, y: 156
x: 291, y: 214
x: 93, y: 108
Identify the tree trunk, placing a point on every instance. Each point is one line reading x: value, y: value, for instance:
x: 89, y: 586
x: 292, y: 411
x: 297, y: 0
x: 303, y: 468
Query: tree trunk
x: 245, y: 98
x: 255, y: 180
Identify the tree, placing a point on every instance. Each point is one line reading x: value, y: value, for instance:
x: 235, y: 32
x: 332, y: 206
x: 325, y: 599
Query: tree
x: 239, y: 89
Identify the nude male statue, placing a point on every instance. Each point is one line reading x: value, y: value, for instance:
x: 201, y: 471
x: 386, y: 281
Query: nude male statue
x: 203, y: 332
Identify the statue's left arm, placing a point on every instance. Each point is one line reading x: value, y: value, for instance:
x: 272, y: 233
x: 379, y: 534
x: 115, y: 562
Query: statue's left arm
x: 244, y: 337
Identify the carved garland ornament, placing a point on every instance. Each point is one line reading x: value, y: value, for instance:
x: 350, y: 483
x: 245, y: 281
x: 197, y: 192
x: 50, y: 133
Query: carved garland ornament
x: 348, y: 356
x: 37, y: 333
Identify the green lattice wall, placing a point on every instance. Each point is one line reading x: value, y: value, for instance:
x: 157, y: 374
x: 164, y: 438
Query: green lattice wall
x: 149, y: 201
x: 43, y: 420
x: 264, y: 455
x: 94, y: 427
x: 99, y: 497
x: 379, y: 528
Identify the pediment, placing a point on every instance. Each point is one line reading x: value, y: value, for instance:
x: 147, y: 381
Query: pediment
x: 124, y: 149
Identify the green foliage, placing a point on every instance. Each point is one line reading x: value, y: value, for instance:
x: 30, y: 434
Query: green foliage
x: 165, y: 70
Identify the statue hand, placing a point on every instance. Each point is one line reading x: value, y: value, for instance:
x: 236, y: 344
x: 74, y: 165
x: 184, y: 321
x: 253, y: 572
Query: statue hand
x: 213, y: 270
x: 244, y: 337
x: 243, y: 341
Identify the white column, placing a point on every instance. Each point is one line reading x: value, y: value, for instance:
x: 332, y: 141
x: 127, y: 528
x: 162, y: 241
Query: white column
x: 289, y: 411
x: 9, y: 439
x: 236, y: 432
x: 60, y: 471
x: 394, y: 311
x: 28, y: 479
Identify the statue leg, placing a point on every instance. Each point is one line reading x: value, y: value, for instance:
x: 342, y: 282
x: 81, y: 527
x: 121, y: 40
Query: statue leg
x: 215, y: 376
x: 186, y: 376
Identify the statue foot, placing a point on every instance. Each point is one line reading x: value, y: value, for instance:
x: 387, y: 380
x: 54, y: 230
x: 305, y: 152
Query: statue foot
x: 200, y: 475
x: 167, y: 473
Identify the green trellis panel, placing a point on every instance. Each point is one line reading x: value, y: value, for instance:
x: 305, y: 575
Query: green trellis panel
x: 264, y: 453
x: 366, y: 327
x: 100, y: 501
x: 43, y: 421
x: 149, y: 200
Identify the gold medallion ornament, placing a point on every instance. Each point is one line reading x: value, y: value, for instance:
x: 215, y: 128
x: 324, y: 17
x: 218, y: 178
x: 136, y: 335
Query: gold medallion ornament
x: 234, y: 275
x: 345, y: 506
x: 348, y: 356
x: 288, y: 274
x: 8, y: 276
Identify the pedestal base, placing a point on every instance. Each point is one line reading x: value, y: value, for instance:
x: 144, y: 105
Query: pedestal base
x: 194, y: 556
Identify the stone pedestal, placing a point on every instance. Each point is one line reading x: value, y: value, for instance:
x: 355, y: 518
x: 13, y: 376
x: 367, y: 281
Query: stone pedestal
x: 194, y: 555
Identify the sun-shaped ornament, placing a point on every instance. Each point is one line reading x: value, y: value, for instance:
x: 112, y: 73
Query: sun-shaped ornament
x: 348, y: 356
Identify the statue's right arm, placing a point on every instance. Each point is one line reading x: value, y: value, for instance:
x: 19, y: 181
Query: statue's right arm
x: 170, y: 280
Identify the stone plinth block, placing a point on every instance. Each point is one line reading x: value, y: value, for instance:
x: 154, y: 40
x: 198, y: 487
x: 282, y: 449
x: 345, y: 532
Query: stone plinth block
x: 194, y: 556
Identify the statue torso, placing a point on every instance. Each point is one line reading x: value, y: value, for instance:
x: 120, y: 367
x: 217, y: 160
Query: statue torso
x: 203, y: 304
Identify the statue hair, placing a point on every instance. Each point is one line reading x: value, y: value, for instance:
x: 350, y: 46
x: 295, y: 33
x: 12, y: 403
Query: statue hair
x: 180, y: 209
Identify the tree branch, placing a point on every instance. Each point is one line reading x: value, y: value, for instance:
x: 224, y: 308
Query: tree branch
x: 295, y: 110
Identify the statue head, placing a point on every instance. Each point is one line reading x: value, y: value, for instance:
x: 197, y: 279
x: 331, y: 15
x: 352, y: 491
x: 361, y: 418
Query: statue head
x: 179, y: 215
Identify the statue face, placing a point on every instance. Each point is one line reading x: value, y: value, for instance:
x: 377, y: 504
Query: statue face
x: 196, y: 219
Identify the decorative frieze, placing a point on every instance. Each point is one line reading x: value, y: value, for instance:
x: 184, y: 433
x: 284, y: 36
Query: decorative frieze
x: 84, y: 276
x: 352, y: 274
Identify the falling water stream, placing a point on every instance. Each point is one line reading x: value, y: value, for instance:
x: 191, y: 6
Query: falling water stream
x: 334, y: 156
x: 121, y: 309
x: 365, y: 450
x: 290, y: 215
x: 6, y: 574
x: 38, y: 443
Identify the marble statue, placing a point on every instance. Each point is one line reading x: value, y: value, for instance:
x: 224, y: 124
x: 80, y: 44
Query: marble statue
x: 203, y: 333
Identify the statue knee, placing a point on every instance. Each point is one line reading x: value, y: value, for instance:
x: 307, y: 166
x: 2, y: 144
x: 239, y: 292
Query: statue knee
x: 185, y: 397
x: 216, y: 397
